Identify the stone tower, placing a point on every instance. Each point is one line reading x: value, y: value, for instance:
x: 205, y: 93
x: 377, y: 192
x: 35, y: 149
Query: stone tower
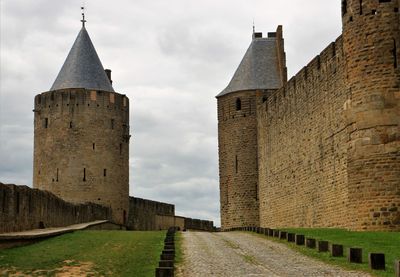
x: 261, y: 70
x: 81, y: 134
x: 371, y: 44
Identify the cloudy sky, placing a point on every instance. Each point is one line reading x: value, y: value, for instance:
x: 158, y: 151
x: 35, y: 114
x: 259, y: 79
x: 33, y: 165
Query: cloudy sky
x: 170, y: 58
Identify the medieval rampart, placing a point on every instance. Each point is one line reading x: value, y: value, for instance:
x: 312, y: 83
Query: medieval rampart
x: 302, y: 147
x: 23, y: 208
x: 149, y: 215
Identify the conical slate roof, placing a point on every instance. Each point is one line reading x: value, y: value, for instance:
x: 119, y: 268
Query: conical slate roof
x: 82, y: 68
x: 258, y: 68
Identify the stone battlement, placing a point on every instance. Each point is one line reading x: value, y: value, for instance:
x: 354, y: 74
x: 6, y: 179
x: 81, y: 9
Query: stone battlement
x: 324, y: 149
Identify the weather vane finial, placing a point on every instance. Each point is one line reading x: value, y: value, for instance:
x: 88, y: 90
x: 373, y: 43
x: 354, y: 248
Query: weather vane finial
x: 83, y: 16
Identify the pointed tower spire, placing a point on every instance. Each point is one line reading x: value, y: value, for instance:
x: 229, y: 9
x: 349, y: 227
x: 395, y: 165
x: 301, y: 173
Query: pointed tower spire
x: 258, y: 68
x: 82, y: 68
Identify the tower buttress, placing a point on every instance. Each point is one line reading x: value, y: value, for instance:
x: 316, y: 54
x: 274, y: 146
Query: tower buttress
x: 371, y: 44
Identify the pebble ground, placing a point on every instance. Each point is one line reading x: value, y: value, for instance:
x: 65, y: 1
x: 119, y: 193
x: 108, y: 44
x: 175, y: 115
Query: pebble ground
x: 244, y: 254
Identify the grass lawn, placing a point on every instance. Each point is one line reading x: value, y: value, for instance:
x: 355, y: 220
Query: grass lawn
x: 377, y: 242
x: 178, y: 249
x: 90, y: 253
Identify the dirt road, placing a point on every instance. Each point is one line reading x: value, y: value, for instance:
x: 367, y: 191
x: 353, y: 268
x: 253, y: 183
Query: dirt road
x: 244, y: 254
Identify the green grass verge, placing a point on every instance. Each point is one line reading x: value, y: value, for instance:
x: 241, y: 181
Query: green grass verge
x: 178, y: 249
x: 116, y: 253
x: 370, y: 242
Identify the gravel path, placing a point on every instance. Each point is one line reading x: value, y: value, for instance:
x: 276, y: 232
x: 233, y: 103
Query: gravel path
x: 243, y: 254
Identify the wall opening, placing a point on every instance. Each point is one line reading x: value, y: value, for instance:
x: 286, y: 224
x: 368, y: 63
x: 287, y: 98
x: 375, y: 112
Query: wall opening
x: 236, y: 164
x: 385, y: 1
x: 94, y: 146
x: 112, y: 123
x: 394, y: 54
x: 238, y: 104
x: 70, y: 124
x: 46, y: 122
x: 105, y: 172
x: 57, y: 176
x: 120, y: 148
x: 41, y: 225
x: 124, y: 217
x: 84, y: 174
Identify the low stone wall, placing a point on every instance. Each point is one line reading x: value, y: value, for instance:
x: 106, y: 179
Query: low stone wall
x: 147, y: 215
x: 198, y: 224
x: 23, y: 208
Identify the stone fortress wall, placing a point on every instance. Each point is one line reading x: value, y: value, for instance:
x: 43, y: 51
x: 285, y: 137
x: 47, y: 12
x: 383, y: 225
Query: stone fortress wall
x: 302, y: 147
x: 23, y: 208
x: 149, y: 215
x: 81, y: 147
x: 328, y: 141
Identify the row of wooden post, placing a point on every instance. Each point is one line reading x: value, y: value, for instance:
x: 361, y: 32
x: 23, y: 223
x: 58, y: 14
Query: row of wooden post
x: 354, y: 255
x: 167, y: 258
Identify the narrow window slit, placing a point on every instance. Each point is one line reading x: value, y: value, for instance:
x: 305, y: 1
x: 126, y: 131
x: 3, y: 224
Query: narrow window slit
x: 94, y: 146
x: 238, y: 104
x: 84, y: 174
x: 236, y: 164
x: 105, y: 172
x: 394, y: 54
x: 361, y: 8
x: 57, y: 176
x: 120, y: 148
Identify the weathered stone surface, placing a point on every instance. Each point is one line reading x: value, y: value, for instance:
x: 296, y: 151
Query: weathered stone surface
x: 23, y: 208
x: 328, y: 142
x: 71, y: 158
